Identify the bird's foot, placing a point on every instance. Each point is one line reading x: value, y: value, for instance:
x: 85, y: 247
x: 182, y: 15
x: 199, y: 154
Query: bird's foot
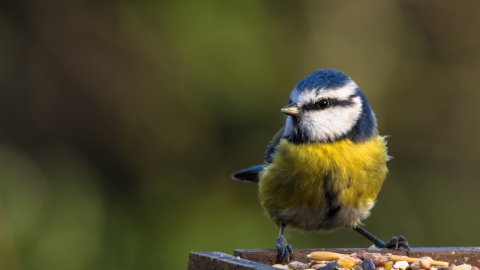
x: 284, y: 249
x: 395, y: 243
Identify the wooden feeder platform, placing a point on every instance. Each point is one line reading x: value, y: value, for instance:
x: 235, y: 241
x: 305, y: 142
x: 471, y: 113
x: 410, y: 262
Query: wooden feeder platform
x: 244, y: 259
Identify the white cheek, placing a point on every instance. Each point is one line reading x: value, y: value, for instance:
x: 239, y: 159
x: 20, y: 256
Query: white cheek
x: 331, y: 123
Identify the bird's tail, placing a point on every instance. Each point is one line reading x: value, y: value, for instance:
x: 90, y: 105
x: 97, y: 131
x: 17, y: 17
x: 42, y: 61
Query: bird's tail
x: 249, y: 174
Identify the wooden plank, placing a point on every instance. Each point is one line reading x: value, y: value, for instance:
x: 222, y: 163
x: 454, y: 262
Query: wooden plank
x: 455, y: 255
x: 222, y: 261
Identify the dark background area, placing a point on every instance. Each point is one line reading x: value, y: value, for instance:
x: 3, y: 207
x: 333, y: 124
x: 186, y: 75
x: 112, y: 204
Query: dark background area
x: 121, y: 121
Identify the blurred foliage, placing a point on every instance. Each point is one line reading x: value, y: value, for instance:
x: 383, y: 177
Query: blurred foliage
x: 120, y: 122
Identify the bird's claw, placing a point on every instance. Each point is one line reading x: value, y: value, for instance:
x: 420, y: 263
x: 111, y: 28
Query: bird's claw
x: 398, y: 243
x: 284, y: 250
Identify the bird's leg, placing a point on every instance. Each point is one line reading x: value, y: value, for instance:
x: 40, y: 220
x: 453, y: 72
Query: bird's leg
x: 283, y: 248
x: 394, y: 243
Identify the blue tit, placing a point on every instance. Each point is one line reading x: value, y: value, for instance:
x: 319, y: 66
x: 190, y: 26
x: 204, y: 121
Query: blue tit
x: 324, y: 169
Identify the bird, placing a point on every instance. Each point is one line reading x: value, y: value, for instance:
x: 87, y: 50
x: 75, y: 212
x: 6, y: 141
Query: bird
x: 324, y: 169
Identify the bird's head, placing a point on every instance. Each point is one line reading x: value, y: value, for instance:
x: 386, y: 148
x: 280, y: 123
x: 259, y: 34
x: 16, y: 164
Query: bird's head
x: 326, y: 106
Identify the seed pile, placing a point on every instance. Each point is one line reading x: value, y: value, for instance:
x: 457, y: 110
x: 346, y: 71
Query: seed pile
x: 363, y: 260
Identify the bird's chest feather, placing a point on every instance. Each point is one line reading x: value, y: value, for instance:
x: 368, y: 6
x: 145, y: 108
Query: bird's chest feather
x: 324, y: 175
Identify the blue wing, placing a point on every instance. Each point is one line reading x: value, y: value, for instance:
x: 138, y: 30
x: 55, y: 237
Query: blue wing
x: 272, y: 146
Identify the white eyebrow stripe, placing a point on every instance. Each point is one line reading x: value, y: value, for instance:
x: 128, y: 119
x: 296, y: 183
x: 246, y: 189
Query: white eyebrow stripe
x: 343, y: 93
x: 304, y: 96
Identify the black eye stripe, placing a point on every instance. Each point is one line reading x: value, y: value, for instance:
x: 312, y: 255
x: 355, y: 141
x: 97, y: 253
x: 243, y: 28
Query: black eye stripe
x: 342, y: 103
x: 321, y: 104
x: 332, y: 102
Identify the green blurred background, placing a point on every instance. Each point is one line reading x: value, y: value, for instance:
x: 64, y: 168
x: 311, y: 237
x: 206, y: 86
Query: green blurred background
x: 121, y: 121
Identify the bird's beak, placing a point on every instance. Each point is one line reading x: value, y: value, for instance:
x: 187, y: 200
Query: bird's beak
x: 292, y: 109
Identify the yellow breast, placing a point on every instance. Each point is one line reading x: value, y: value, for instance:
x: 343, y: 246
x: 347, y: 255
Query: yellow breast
x: 308, y: 175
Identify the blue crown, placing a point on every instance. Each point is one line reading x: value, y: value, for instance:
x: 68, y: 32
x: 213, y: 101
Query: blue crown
x: 326, y: 78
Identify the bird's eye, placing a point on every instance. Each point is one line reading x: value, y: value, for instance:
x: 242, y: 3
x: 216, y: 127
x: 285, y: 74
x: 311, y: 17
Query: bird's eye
x: 322, y: 104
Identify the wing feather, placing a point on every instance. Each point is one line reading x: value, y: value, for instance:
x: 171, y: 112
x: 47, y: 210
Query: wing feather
x: 272, y: 146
